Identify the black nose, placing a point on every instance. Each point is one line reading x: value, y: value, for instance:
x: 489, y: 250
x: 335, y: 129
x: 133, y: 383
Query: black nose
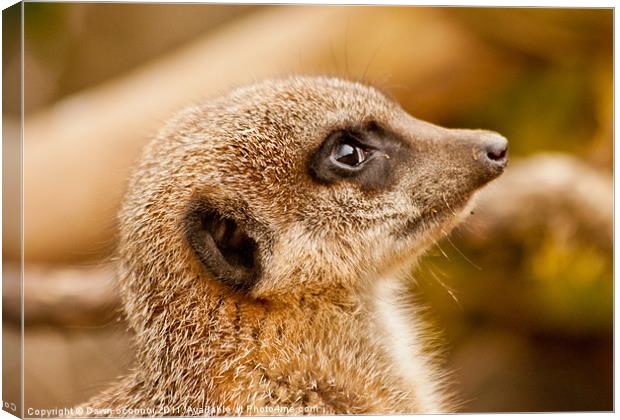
x: 496, y: 149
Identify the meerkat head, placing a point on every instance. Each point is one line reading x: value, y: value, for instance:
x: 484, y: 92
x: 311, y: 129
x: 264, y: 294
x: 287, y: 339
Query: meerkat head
x: 298, y: 184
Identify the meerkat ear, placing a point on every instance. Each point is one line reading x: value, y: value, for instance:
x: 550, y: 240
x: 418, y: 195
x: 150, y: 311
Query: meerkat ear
x: 222, y: 246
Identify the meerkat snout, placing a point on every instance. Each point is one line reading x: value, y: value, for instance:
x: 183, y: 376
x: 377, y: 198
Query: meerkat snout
x: 263, y: 241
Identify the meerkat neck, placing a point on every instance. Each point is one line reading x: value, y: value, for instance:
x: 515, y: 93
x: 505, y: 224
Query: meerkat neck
x: 338, y: 342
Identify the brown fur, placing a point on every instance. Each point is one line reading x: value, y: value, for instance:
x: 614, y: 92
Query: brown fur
x: 307, y: 334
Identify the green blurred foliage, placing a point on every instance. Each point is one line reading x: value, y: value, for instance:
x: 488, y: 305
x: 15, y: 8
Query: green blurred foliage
x: 562, y: 94
x: 546, y: 109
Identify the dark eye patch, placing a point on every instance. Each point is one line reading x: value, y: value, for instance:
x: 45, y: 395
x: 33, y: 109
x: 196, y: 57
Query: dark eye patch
x: 366, y: 155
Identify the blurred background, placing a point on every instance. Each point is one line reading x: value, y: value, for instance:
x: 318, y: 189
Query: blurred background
x: 522, y: 292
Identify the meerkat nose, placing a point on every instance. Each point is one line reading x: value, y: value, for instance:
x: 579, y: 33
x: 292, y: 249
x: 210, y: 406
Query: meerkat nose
x: 495, y: 148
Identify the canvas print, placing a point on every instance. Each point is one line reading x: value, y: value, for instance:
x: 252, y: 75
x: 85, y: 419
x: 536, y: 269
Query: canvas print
x: 256, y: 210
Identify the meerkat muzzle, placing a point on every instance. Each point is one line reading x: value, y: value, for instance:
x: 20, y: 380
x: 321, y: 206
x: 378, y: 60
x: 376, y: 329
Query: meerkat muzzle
x: 488, y: 154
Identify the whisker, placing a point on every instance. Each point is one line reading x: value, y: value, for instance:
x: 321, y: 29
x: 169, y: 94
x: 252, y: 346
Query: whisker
x: 441, y: 250
x: 346, y: 47
x: 372, y: 58
x: 448, y: 205
x: 447, y: 288
x: 460, y: 252
x: 335, y: 61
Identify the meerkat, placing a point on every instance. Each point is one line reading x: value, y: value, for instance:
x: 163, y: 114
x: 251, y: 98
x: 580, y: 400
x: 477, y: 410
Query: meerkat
x: 266, y: 242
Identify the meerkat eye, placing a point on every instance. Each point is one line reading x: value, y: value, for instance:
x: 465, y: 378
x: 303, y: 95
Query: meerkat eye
x: 366, y: 155
x: 348, y: 154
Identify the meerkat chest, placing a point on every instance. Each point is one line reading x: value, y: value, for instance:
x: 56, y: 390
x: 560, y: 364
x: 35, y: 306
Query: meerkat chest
x: 403, y: 337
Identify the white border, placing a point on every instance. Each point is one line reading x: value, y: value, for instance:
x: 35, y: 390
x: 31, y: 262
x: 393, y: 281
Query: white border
x: 530, y: 3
